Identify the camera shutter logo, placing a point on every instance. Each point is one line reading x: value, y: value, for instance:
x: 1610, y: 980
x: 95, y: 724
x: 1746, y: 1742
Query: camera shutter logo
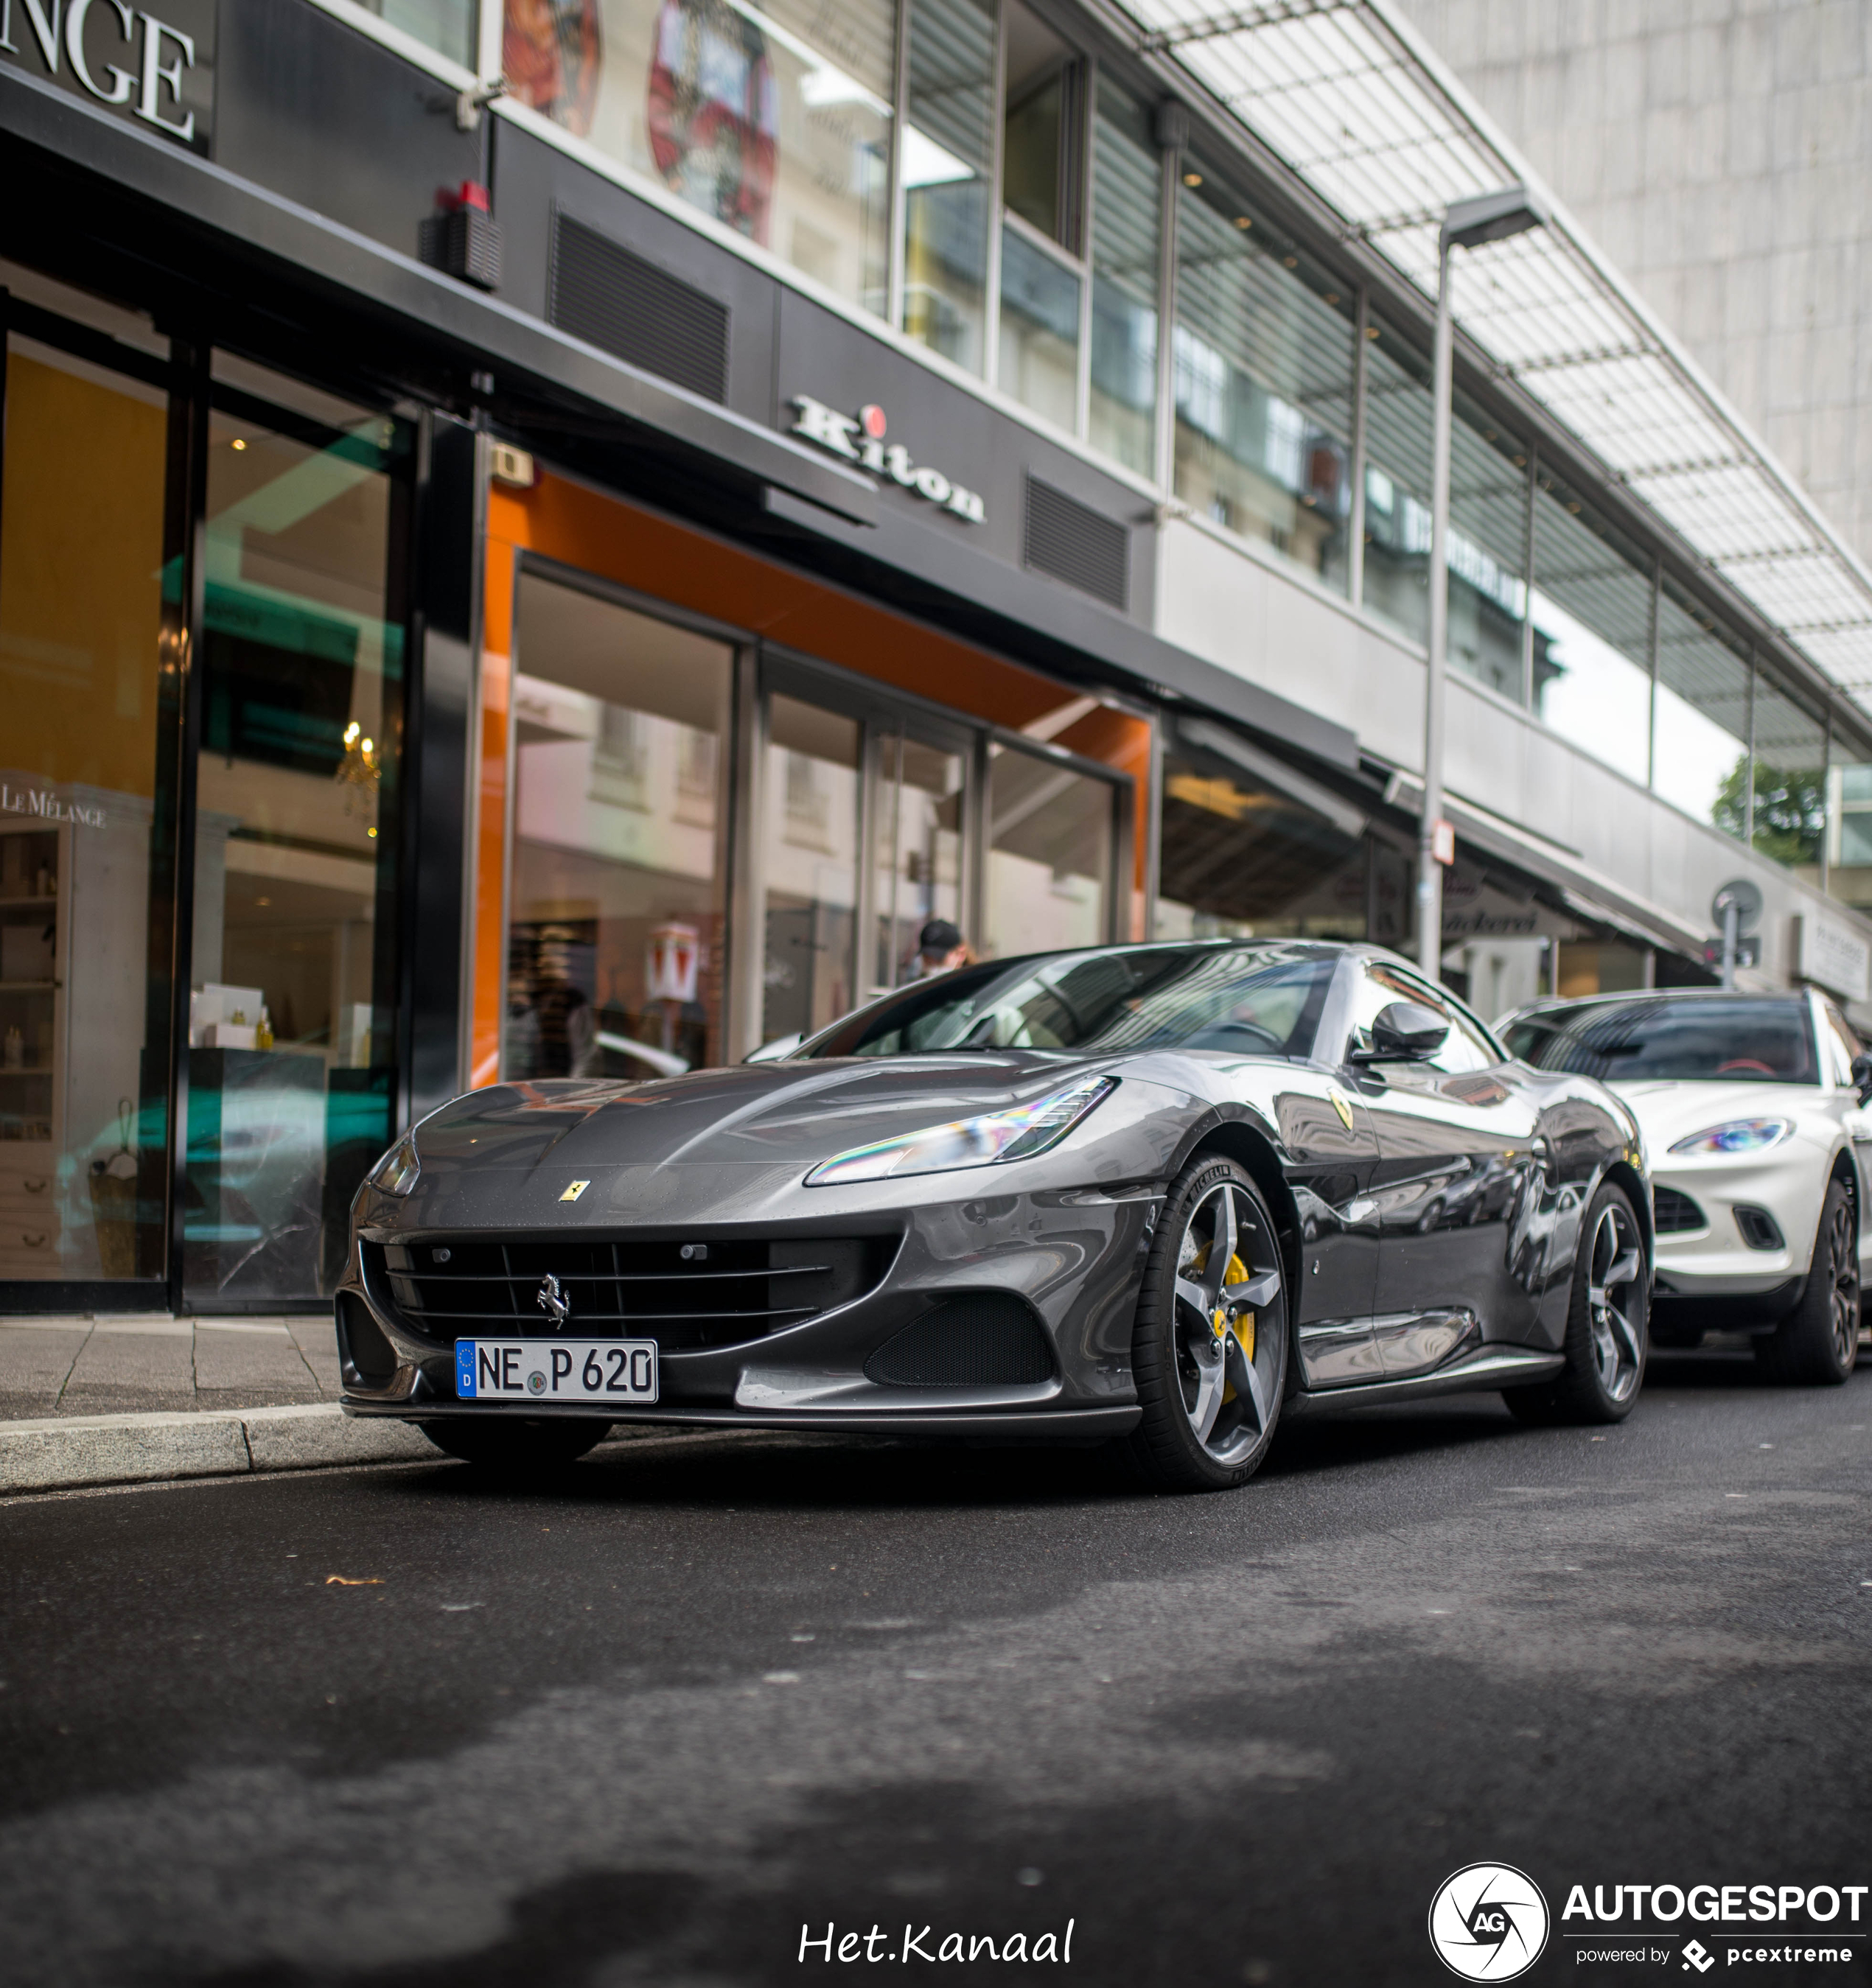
x: 1488, y: 1922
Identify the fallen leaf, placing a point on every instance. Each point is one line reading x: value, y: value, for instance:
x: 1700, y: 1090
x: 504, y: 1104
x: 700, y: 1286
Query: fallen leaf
x: 339, y: 1581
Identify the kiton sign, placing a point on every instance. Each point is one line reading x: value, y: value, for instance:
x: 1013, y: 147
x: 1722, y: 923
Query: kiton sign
x: 859, y: 438
x: 158, y: 72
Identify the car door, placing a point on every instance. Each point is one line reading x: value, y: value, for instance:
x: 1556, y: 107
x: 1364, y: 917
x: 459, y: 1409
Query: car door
x: 1838, y: 1046
x: 1458, y: 1173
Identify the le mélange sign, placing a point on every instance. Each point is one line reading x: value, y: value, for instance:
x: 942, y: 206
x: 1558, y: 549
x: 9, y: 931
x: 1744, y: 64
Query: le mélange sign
x: 859, y: 438
x: 157, y: 69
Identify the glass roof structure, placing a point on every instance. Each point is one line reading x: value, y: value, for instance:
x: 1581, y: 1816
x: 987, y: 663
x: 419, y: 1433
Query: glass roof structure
x: 1355, y: 103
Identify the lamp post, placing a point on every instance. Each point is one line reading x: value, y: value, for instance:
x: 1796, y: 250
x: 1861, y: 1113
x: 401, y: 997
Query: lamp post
x: 1467, y: 224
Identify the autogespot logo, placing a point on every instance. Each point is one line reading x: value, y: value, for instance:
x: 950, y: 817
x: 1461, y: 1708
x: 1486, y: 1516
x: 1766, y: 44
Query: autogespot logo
x: 1488, y: 1922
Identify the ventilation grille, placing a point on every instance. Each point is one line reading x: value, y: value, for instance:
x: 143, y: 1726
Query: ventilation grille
x: 991, y: 1340
x: 1676, y: 1214
x: 1077, y: 544
x: 465, y: 1287
x: 637, y: 313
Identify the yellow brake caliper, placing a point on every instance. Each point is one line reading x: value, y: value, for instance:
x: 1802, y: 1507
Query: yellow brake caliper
x: 1243, y: 1327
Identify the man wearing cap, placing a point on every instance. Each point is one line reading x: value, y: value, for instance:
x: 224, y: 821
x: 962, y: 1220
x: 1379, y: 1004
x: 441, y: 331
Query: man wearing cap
x: 939, y: 949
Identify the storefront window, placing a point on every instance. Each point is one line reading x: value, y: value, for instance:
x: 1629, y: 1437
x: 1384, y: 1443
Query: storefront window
x: 1702, y: 730
x: 292, y: 1030
x: 1487, y: 552
x: 918, y: 849
x: 1263, y: 368
x: 775, y: 120
x: 1397, y: 481
x: 615, y: 924
x: 809, y: 850
x: 1126, y: 201
x: 947, y: 155
x: 1592, y: 638
x: 83, y: 1033
x: 1050, y: 836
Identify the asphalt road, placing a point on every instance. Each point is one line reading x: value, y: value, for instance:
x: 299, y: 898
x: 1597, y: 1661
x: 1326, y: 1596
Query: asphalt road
x: 402, y: 1727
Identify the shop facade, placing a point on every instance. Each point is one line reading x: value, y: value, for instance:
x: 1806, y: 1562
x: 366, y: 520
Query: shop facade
x: 497, y: 596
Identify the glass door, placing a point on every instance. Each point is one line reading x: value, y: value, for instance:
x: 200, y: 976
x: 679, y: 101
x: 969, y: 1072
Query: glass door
x: 916, y: 845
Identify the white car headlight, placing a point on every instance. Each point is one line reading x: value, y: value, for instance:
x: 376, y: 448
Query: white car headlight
x: 997, y: 1136
x: 1737, y: 1135
x: 396, y: 1172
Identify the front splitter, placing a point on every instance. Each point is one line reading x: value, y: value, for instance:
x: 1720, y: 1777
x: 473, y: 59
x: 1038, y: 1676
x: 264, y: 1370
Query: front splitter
x: 1074, y: 1425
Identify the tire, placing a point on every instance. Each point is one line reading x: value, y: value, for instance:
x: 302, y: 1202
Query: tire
x: 1817, y: 1344
x: 1209, y: 1348
x: 517, y: 1444
x: 1607, y: 1338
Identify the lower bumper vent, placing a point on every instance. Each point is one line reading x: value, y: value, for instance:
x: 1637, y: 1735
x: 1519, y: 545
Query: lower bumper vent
x: 1677, y: 1214
x: 991, y: 1340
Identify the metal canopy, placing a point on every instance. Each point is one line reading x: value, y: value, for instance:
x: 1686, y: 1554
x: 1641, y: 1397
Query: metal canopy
x: 1352, y: 98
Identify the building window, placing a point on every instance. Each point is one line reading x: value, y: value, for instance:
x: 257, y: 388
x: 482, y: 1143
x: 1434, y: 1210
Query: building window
x: 1127, y: 200
x: 947, y: 164
x: 448, y: 26
x: 777, y: 122
x: 1262, y: 358
x: 1049, y: 857
x: 809, y: 852
x: 1591, y: 612
x: 1701, y: 732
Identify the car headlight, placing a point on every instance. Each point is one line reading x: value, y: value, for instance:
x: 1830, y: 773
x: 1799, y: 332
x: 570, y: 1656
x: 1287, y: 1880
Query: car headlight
x: 995, y: 1137
x: 1738, y: 1135
x: 396, y: 1172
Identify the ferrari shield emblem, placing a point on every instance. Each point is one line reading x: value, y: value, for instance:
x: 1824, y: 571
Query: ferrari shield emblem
x: 579, y: 1187
x: 1342, y: 1105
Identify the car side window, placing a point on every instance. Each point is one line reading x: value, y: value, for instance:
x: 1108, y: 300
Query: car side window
x: 1467, y: 1047
x: 1842, y: 1046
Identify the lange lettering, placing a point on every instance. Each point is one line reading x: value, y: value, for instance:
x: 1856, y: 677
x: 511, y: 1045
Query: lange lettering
x: 139, y: 87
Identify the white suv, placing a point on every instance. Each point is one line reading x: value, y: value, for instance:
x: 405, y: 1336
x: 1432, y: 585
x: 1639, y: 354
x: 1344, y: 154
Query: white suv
x: 1753, y: 1109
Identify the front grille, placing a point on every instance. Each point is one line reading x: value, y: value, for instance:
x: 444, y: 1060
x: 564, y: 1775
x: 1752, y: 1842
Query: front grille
x: 1677, y: 1213
x: 446, y: 1288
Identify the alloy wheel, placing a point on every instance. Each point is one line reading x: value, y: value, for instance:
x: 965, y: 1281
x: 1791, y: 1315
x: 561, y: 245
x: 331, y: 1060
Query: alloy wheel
x: 1843, y: 1266
x: 1228, y: 1315
x: 1615, y: 1293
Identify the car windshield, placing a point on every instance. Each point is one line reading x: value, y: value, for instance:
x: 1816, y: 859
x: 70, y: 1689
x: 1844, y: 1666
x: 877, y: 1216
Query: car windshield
x: 1702, y: 1038
x: 1250, y: 1000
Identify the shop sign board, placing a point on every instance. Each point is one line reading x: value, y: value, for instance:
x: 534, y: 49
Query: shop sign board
x: 859, y: 438
x: 156, y: 70
x: 1835, y: 956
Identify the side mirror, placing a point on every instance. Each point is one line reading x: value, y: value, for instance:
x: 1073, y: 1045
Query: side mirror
x: 1404, y: 1031
x: 1862, y: 1076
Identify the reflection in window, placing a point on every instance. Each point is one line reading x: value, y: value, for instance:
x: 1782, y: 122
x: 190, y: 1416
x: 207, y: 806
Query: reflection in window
x: 1126, y: 202
x: 946, y: 154
x: 1040, y: 330
x: 292, y: 1016
x: 1849, y: 832
x: 83, y: 1089
x: 918, y: 846
x: 1592, y: 616
x: 775, y: 120
x: 1241, y: 860
x: 448, y: 26
x: 1262, y: 355
x: 614, y: 913
x: 1049, y: 872
x: 1789, y: 815
x: 1702, y: 727
x: 1487, y: 541
x: 809, y: 854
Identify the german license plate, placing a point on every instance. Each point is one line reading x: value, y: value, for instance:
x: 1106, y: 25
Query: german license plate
x: 556, y: 1370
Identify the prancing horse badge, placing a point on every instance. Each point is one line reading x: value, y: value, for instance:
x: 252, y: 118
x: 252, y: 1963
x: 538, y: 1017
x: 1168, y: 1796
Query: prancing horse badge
x: 552, y: 1301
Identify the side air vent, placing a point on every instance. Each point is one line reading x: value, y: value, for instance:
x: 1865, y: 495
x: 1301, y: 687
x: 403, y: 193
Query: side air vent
x: 637, y: 313
x: 363, y: 1349
x: 984, y: 1341
x: 1676, y: 1214
x: 1073, y: 542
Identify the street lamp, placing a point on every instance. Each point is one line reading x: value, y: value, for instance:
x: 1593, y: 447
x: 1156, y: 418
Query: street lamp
x: 1467, y: 224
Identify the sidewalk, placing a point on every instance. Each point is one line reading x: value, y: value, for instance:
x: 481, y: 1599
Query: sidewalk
x: 116, y: 1399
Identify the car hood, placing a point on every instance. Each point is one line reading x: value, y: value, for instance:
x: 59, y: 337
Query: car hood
x: 791, y: 1114
x: 1668, y: 1111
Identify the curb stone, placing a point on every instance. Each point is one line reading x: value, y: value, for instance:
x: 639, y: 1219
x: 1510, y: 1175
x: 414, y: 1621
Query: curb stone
x: 68, y: 1451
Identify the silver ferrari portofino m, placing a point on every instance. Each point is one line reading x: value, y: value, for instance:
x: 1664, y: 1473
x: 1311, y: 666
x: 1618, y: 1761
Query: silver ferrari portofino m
x: 1162, y: 1194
